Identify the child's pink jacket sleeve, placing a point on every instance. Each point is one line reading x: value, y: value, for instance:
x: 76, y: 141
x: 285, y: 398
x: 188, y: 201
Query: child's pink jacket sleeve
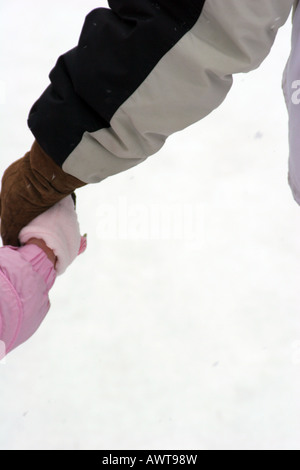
x: 26, y: 276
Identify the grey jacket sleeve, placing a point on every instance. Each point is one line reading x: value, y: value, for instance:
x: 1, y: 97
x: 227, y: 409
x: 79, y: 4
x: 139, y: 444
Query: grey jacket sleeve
x: 144, y: 70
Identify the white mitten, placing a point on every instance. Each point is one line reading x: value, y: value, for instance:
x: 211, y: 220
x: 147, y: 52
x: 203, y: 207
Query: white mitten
x: 59, y: 228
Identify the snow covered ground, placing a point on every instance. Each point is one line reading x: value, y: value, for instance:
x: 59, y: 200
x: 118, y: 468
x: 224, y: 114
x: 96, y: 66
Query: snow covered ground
x: 179, y: 328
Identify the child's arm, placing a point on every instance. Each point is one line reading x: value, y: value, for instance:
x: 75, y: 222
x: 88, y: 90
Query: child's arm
x: 41, y: 244
x: 26, y: 276
x: 50, y: 244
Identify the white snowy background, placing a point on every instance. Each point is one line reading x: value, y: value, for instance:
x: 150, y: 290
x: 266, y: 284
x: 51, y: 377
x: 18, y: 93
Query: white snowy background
x: 179, y: 327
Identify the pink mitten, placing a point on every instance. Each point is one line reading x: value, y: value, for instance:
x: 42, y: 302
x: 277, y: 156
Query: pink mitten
x: 59, y: 228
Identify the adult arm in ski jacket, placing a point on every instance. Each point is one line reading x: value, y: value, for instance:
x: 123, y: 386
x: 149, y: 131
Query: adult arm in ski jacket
x: 142, y: 71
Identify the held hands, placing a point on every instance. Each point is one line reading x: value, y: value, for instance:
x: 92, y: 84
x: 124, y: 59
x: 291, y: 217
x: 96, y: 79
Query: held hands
x: 58, y: 228
x: 30, y: 186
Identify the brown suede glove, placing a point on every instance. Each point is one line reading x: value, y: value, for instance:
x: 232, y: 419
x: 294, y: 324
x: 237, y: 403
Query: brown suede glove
x: 30, y: 186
